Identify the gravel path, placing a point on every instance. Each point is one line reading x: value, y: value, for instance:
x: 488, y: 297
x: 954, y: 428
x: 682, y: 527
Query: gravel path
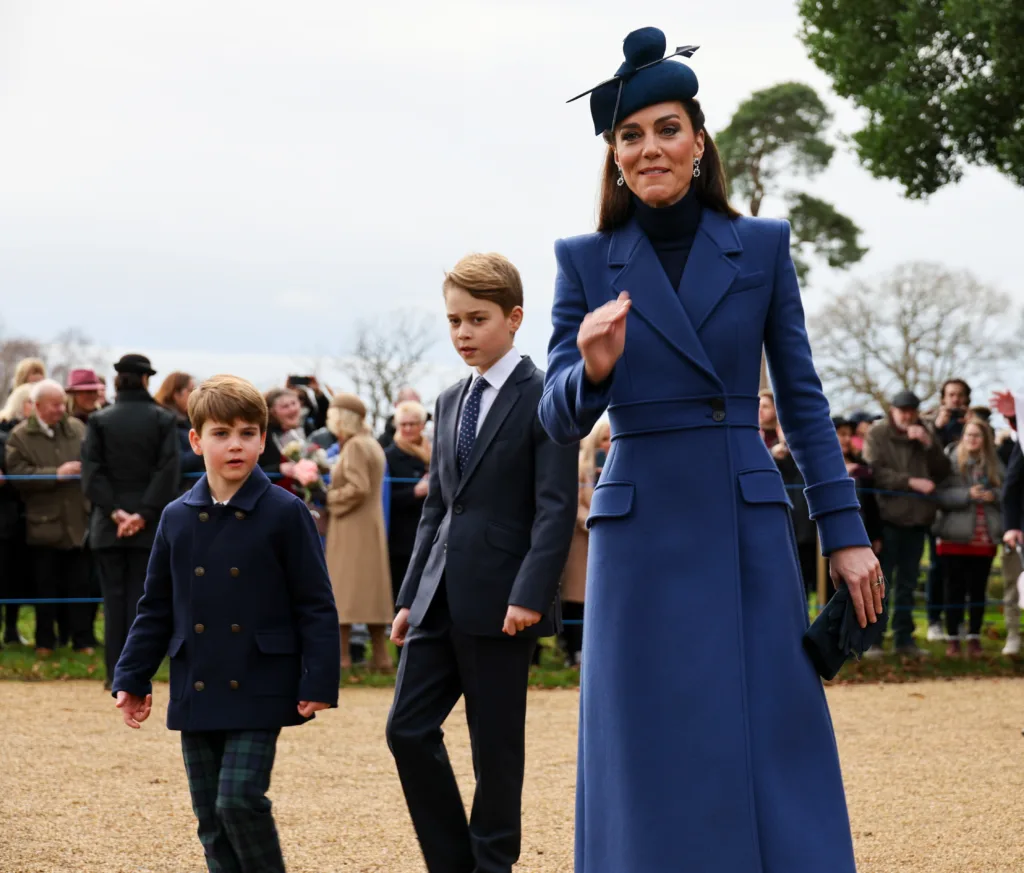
x: 933, y: 772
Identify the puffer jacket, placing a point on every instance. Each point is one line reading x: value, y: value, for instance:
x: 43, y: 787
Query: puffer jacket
x: 958, y: 512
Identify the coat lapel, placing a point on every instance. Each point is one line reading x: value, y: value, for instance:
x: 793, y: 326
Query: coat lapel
x: 654, y: 299
x: 496, y: 415
x: 709, y: 269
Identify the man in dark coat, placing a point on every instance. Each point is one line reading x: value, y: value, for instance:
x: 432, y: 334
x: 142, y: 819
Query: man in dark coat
x: 130, y: 472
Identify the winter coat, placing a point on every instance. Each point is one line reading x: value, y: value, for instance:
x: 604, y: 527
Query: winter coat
x: 895, y: 459
x: 56, y: 512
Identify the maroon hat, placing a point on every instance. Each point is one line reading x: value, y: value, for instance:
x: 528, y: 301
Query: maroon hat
x: 83, y: 380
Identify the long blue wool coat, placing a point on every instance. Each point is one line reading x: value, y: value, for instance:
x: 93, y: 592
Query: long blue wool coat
x: 705, y: 742
x: 239, y: 597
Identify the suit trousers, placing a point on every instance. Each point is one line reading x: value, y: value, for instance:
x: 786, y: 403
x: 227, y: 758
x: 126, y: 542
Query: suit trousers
x: 228, y: 778
x: 60, y: 573
x: 123, y: 577
x: 441, y: 664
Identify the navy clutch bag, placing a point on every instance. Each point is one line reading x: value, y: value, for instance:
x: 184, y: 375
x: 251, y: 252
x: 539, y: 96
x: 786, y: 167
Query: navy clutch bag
x: 834, y: 636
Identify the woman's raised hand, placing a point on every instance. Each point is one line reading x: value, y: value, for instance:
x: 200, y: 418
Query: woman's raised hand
x: 602, y: 337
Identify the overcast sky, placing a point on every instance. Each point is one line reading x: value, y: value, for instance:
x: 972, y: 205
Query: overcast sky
x: 234, y: 184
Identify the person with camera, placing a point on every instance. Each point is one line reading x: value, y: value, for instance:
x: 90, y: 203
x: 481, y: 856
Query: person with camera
x: 952, y: 413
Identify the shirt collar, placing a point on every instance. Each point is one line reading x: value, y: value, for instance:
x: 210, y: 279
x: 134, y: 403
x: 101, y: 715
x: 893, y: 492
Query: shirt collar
x: 503, y: 368
x: 245, y: 498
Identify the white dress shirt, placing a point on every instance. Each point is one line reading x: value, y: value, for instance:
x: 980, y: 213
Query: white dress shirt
x: 496, y: 376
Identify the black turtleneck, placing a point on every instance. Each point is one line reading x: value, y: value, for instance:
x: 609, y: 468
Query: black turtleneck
x: 671, y: 230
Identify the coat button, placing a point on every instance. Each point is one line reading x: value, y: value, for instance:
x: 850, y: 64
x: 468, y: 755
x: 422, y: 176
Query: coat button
x: 204, y: 516
x: 234, y: 684
x: 200, y: 571
x: 239, y: 515
x: 236, y: 628
x: 458, y: 509
x: 199, y: 686
x: 234, y: 572
x: 718, y: 415
x: 199, y: 628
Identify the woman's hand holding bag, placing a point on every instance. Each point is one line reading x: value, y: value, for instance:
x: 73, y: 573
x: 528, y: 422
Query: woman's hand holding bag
x: 857, y: 567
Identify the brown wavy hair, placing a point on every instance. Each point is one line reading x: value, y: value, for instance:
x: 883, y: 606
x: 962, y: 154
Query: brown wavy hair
x: 616, y: 206
x: 172, y: 384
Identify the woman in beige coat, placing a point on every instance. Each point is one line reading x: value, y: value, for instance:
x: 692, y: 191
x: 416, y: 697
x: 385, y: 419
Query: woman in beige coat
x: 574, y: 578
x: 357, y: 545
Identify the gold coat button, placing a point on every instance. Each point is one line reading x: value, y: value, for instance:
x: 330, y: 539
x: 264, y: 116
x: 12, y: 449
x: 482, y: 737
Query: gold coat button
x: 199, y: 686
x: 234, y: 572
x: 199, y: 628
x: 200, y: 571
x: 239, y: 515
x: 204, y: 516
x: 234, y: 684
x: 236, y: 628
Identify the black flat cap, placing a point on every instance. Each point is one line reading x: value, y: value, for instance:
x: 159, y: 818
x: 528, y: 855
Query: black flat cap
x: 134, y: 364
x: 906, y: 400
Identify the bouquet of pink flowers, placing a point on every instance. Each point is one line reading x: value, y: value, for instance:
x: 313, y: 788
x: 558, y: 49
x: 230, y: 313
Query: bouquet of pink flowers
x: 309, y: 463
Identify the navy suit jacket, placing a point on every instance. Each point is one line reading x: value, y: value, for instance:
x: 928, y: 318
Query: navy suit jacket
x: 239, y: 597
x: 499, y: 534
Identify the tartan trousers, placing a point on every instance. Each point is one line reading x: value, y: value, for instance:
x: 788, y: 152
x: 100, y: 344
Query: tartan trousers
x: 228, y: 777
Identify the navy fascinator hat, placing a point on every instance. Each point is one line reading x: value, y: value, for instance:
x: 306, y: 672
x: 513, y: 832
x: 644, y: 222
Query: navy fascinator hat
x: 647, y: 76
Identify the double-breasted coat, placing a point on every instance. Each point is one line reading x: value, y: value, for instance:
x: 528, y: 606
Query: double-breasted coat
x: 705, y: 743
x: 357, y: 543
x: 238, y: 596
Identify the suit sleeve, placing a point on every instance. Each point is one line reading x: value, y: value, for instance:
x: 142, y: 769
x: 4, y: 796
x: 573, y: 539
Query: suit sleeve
x: 430, y: 520
x: 556, y: 494
x: 1013, y: 490
x: 163, y: 483
x: 353, y: 472
x: 570, y: 405
x: 151, y: 631
x: 313, y: 609
x: 804, y: 414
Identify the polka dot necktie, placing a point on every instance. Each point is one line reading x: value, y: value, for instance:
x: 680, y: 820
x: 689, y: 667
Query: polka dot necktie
x: 467, y: 429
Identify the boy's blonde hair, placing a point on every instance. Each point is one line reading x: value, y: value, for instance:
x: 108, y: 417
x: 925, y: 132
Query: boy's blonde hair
x: 225, y: 400
x: 487, y: 277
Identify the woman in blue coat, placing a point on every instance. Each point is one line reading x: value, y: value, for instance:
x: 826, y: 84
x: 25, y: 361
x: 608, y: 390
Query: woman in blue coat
x: 706, y: 745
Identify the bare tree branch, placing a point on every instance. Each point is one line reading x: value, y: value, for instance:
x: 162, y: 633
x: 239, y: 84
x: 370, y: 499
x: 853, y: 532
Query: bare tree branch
x: 917, y: 327
x: 70, y: 349
x: 387, y: 355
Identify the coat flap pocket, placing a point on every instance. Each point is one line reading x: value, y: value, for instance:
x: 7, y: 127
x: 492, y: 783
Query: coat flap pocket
x: 763, y: 486
x: 746, y: 281
x: 41, y: 517
x: 277, y: 643
x: 174, y: 646
x: 516, y: 542
x: 611, y: 500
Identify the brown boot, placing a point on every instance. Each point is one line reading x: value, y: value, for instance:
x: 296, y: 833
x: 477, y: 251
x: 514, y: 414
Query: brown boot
x: 974, y: 648
x: 953, y: 649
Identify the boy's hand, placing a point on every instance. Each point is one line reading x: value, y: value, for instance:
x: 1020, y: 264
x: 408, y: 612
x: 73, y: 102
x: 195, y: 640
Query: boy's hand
x: 519, y: 618
x: 134, y: 709
x: 308, y: 707
x: 400, y: 627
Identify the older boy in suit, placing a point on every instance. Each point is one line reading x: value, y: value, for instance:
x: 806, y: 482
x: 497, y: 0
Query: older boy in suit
x: 237, y: 594
x: 483, y: 579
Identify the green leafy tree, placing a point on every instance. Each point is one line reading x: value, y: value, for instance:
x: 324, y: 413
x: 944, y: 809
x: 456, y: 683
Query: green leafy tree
x: 942, y: 82
x: 778, y: 134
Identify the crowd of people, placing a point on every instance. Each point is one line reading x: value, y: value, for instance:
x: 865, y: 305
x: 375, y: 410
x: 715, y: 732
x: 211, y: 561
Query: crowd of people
x: 942, y: 479
x: 83, y: 480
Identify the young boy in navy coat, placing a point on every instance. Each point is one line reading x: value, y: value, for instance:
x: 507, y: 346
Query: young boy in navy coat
x: 237, y: 594
x: 482, y: 581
